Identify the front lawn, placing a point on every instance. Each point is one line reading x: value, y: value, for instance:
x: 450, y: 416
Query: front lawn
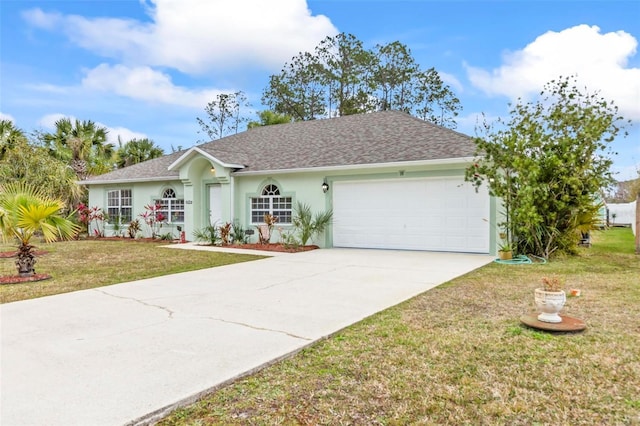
x: 458, y: 354
x: 79, y: 265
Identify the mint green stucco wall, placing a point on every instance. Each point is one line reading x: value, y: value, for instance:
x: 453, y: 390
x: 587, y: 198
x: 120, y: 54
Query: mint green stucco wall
x: 236, y: 192
x: 143, y: 193
x: 306, y: 187
x: 301, y: 187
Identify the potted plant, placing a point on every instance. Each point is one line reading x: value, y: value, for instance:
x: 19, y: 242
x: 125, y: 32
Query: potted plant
x: 550, y: 299
x: 505, y: 252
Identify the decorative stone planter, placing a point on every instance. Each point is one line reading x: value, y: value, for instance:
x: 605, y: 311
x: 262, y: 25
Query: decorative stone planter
x: 549, y: 303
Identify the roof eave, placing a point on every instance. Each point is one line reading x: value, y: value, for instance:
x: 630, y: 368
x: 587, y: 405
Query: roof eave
x: 440, y: 161
x: 129, y: 180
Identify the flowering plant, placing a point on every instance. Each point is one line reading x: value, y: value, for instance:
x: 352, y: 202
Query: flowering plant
x: 88, y: 215
x: 153, y: 218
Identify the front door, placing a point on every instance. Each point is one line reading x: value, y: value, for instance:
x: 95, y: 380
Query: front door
x: 215, y: 205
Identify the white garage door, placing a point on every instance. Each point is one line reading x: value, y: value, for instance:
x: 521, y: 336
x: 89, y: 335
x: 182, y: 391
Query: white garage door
x: 439, y: 214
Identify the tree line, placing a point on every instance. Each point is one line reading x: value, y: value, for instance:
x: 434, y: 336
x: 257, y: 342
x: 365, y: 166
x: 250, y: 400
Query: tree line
x: 340, y: 77
x: 75, y: 150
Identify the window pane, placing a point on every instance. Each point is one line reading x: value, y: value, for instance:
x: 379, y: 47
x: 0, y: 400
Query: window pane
x: 257, y: 216
x: 113, y: 198
x: 283, y: 216
x: 282, y: 203
x: 271, y: 190
x: 125, y: 196
x: 125, y: 216
x: 119, y: 204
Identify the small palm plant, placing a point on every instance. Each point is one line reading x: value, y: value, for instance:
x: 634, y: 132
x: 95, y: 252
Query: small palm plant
x: 309, y: 225
x: 25, y: 211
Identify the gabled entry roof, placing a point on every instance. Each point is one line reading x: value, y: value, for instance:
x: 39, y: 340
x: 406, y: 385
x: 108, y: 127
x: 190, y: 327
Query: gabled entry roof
x: 354, y: 140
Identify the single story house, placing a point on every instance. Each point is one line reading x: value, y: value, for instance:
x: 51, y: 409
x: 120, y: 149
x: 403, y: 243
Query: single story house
x: 393, y: 182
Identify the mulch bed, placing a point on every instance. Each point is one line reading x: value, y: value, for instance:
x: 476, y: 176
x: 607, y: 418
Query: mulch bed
x: 17, y: 279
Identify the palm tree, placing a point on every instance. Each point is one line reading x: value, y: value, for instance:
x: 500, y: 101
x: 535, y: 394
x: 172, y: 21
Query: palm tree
x: 32, y: 164
x: 25, y: 211
x: 136, y: 151
x: 10, y: 137
x: 82, y: 145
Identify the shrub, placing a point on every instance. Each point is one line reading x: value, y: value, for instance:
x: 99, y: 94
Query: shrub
x: 307, y: 225
x: 208, y: 234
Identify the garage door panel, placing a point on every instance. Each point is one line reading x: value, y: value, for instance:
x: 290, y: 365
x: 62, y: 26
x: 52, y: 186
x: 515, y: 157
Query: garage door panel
x: 443, y: 214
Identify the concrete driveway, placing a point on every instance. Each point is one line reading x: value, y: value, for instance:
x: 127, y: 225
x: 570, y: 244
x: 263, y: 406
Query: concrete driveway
x: 128, y: 353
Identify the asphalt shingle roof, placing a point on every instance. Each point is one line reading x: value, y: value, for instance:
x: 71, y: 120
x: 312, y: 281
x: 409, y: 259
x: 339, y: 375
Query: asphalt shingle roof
x: 157, y: 168
x: 381, y: 137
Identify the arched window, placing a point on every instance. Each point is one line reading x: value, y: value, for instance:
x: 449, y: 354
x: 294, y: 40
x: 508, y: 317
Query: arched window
x: 270, y: 202
x: 171, y: 207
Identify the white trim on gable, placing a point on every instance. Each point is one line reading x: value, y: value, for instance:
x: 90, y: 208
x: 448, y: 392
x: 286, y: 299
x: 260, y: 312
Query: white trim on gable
x: 195, y: 150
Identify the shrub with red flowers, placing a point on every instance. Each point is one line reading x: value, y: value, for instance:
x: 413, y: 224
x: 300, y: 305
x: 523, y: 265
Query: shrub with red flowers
x: 154, y: 218
x: 88, y: 215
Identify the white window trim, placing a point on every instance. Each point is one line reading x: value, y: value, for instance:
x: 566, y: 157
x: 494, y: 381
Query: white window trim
x: 119, y: 206
x: 271, y: 198
x: 170, y: 208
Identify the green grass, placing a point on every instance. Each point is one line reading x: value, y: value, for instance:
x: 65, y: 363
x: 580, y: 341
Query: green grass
x: 458, y: 354
x: 79, y: 265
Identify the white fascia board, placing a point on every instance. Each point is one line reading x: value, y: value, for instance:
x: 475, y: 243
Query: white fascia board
x: 130, y: 180
x: 442, y: 161
x: 195, y: 150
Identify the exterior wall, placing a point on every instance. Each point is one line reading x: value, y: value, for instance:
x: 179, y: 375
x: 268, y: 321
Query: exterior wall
x: 196, y: 177
x: 301, y: 187
x: 143, y: 193
x: 625, y: 214
x: 306, y: 188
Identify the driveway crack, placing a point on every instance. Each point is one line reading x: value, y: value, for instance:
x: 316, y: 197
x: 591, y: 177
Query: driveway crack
x: 253, y: 327
x: 164, y: 308
x: 279, y: 283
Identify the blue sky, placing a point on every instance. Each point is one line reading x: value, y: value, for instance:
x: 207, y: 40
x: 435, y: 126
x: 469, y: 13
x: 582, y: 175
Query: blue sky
x: 147, y: 68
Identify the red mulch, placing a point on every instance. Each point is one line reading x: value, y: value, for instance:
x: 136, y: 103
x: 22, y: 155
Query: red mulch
x: 16, y: 279
x: 272, y: 247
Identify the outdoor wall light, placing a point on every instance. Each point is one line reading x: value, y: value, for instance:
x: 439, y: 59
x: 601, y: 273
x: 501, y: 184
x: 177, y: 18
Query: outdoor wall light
x: 213, y: 170
x: 325, y: 186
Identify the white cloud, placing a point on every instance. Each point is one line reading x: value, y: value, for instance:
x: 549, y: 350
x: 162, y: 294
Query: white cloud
x: 195, y: 36
x: 8, y: 117
x: 598, y: 60
x: 145, y: 84
x: 452, y: 81
x: 40, y: 19
x: 125, y: 134
x: 49, y: 121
